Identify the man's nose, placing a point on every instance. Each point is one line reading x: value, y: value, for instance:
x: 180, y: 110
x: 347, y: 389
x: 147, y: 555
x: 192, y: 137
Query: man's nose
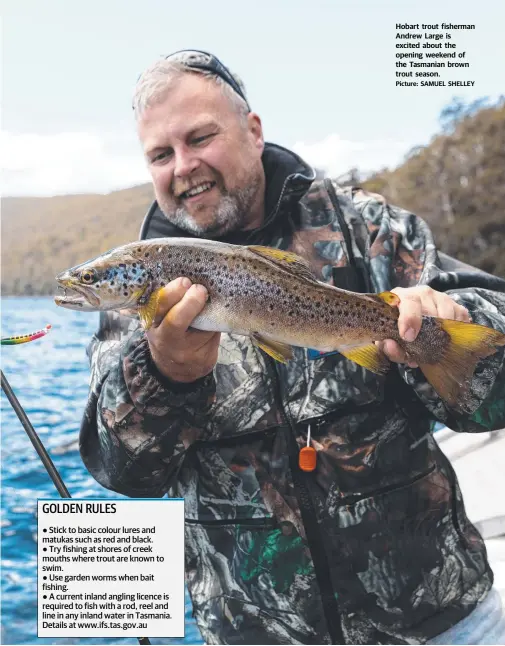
x: 185, y: 162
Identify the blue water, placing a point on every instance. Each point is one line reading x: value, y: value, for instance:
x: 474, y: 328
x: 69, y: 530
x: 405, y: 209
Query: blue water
x: 49, y: 377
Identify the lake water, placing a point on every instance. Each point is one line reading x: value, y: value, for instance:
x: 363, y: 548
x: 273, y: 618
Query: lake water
x: 49, y: 377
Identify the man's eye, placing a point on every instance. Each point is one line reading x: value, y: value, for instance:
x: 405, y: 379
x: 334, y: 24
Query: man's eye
x: 160, y: 156
x: 200, y: 140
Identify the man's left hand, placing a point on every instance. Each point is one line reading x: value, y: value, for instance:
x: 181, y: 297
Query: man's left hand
x: 414, y: 303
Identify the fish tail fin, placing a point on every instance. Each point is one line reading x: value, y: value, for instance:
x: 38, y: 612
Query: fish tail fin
x: 452, y: 375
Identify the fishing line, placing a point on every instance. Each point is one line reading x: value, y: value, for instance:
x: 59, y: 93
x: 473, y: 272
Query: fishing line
x: 37, y: 444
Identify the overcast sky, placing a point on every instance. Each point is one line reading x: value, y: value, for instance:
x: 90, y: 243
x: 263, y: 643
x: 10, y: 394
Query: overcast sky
x: 320, y: 74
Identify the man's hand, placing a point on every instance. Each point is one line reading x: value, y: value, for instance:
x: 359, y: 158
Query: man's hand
x: 179, y: 353
x: 414, y: 303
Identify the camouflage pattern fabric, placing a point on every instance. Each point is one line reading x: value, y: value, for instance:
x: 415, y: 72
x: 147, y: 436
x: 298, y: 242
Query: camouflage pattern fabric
x: 374, y: 546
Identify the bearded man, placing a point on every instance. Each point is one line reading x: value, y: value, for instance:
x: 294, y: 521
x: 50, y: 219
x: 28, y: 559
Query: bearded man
x: 371, y: 547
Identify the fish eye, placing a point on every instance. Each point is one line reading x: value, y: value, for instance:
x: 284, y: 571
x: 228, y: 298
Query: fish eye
x: 88, y: 276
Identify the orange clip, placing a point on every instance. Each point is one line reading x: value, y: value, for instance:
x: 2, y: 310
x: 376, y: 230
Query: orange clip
x: 307, y: 457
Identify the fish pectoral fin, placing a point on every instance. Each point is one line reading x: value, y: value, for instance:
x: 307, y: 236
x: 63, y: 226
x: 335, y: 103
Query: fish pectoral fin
x: 279, y: 351
x: 147, y: 312
x: 452, y: 375
x: 285, y: 259
x: 369, y: 356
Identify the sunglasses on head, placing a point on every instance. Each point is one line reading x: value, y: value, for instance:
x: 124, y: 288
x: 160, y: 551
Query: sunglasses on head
x: 200, y: 60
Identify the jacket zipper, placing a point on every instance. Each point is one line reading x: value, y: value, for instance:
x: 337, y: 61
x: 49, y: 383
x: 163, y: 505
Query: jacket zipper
x: 314, y: 538
x: 259, y: 523
x: 352, y: 499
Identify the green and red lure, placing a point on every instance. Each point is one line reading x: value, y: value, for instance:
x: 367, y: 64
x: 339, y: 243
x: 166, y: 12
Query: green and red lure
x: 25, y: 338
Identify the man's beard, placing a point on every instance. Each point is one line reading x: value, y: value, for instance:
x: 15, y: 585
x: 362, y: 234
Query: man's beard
x: 232, y: 213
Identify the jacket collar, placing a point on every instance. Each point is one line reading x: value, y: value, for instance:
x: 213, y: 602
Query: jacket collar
x: 287, y: 177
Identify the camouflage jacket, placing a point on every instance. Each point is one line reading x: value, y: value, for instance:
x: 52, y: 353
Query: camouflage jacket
x: 374, y: 546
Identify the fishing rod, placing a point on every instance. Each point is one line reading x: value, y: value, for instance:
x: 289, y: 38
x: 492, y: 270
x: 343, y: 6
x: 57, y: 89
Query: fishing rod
x: 32, y: 433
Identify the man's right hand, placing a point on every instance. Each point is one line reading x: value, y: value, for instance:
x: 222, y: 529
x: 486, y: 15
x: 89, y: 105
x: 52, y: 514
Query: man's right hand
x: 179, y: 353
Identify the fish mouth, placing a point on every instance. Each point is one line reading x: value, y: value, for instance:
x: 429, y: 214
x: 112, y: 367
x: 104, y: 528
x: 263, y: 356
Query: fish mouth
x: 76, y: 297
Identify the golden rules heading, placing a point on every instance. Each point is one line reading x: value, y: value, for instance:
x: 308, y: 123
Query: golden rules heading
x: 79, y: 507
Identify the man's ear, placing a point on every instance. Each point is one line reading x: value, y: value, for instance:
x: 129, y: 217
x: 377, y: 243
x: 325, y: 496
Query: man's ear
x: 256, y: 130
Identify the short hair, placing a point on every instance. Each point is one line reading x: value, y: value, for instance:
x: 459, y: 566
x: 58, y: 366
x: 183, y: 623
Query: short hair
x: 154, y: 83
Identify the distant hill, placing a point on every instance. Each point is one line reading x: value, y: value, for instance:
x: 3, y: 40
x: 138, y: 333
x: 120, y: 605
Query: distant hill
x: 456, y: 182
x: 42, y: 236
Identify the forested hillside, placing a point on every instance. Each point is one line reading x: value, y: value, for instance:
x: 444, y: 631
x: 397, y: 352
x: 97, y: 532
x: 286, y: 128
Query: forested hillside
x: 456, y: 182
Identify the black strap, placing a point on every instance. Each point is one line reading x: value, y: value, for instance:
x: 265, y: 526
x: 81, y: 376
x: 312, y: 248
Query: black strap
x: 355, y: 276
x: 465, y: 279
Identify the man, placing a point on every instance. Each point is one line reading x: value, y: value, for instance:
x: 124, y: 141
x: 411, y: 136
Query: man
x: 373, y: 546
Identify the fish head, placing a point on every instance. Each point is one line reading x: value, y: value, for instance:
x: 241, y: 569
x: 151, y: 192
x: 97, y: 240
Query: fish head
x: 115, y: 280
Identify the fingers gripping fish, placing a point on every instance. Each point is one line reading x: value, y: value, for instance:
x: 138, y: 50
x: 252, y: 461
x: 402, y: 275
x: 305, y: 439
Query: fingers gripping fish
x: 273, y: 297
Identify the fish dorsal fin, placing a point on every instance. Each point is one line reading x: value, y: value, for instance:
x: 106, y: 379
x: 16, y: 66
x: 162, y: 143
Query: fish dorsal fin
x: 386, y: 297
x: 390, y: 298
x: 285, y: 259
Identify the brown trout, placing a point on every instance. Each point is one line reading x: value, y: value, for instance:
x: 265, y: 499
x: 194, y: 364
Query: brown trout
x: 273, y: 297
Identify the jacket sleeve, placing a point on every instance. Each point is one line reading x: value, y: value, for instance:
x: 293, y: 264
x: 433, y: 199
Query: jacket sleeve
x: 399, y: 249
x: 137, y: 427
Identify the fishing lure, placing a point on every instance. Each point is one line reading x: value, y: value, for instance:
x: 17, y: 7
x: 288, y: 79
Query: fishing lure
x: 25, y: 338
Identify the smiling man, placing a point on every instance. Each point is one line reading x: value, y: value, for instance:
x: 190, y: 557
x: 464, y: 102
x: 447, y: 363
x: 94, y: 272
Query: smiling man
x: 204, y: 154
x: 370, y: 546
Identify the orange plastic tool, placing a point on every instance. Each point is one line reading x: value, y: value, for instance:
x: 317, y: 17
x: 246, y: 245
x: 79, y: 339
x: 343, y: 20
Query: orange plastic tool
x: 307, y: 458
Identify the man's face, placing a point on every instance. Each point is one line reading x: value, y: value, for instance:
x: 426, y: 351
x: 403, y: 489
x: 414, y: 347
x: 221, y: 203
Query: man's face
x: 204, y: 159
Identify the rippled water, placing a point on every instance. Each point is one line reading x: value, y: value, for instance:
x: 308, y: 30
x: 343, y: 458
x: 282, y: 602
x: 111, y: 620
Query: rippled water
x: 49, y: 377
